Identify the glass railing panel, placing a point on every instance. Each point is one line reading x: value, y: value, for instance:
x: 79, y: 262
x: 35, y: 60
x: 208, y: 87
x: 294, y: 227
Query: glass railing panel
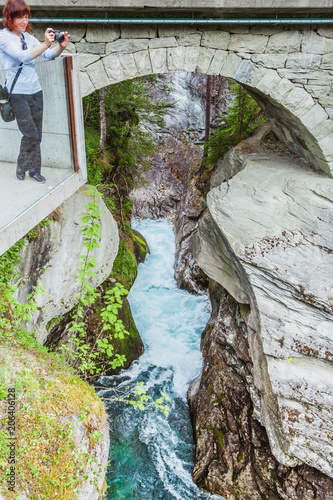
x: 16, y: 195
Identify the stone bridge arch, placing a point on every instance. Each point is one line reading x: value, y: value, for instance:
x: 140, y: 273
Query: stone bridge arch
x: 288, y: 70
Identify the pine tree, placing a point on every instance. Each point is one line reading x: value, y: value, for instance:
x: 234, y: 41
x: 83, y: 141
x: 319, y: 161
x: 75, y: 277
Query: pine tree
x: 241, y: 118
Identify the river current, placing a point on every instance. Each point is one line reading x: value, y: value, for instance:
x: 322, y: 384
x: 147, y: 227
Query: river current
x: 152, y: 456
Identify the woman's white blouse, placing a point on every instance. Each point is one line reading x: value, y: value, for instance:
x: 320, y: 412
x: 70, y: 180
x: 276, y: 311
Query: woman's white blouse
x: 12, y: 54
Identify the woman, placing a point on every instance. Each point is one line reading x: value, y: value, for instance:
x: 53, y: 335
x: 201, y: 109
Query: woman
x: 18, y: 46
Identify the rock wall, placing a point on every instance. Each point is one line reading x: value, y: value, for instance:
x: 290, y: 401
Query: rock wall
x: 268, y: 240
x: 233, y: 456
x: 52, y: 257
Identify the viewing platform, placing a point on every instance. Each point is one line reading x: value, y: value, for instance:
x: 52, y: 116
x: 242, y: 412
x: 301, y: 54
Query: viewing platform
x: 25, y: 203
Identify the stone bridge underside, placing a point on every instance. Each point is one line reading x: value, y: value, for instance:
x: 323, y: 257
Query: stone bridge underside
x: 288, y: 70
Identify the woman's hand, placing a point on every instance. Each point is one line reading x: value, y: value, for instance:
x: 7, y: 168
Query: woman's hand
x: 65, y: 42
x: 49, y: 37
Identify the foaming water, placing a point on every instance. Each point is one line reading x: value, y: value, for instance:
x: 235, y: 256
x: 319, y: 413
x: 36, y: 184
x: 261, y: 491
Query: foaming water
x: 151, y: 456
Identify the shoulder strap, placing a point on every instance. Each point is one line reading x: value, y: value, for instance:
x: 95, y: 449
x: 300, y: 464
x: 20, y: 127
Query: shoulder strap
x: 15, y: 79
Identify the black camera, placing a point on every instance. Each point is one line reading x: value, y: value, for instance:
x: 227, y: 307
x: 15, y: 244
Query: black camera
x: 58, y: 37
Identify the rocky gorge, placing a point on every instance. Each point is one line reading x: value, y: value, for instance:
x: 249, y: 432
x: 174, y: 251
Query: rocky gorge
x: 257, y: 235
x: 262, y: 408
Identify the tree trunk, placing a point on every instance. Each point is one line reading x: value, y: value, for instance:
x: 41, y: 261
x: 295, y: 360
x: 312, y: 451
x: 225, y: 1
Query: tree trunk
x: 102, y: 119
x: 207, y: 123
x: 208, y: 99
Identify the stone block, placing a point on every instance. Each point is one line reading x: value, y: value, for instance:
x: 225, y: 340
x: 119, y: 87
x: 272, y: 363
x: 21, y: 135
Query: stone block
x: 90, y: 48
x: 76, y: 31
x: 98, y: 75
x: 215, y: 39
x: 298, y: 101
x: 86, y: 59
x: 316, y: 44
x: 248, y: 43
x: 142, y: 61
x: 128, y: 63
x: 191, y: 39
x: 326, y: 144
x: 319, y: 77
x: 125, y: 46
x: 168, y: 41
x: 315, y: 77
x: 87, y: 86
x: 270, y: 60
x: 217, y: 62
x: 191, y: 59
x: 113, y: 68
x: 268, y: 81
x: 38, y: 31
x: 204, y: 59
x: 301, y: 60
x: 327, y: 61
x: 70, y: 49
x: 327, y: 101
x: 102, y: 33
x: 244, y: 71
x: 318, y: 91
x: 158, y: 58
x: 326, y: 31
x: 231, y: 64
x: 138, y: 31
x: 324, y: 130
x: 175, y: 59
x: 284, y: 43
x: 314, y: 117
x: 257, y: 76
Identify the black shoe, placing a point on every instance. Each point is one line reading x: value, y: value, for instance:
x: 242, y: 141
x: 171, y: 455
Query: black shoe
x: 20, y: 174
x: 38, y: 178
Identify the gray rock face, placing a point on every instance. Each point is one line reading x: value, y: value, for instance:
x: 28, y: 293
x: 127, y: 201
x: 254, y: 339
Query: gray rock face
x: 51, y: 260
x: 268, y: 240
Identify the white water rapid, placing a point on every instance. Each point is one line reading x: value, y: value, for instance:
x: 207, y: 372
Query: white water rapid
x: 151, y: 456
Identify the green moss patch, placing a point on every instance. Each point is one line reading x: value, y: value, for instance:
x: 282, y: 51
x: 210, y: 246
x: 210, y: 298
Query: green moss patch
x: 48, y: 464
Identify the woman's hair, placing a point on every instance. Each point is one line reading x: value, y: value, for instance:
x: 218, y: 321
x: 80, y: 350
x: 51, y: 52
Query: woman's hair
x: 13, y: 9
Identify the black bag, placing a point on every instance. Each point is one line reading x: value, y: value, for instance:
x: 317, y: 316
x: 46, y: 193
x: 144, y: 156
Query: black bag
x: 6, y: 110
x: 5, y: 107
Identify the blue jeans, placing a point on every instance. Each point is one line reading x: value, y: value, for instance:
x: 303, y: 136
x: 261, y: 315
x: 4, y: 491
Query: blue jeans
x: 28, y: 111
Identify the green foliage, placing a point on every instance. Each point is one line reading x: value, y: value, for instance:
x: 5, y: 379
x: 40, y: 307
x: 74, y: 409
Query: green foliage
x: 128, y: 110
x: 85, y: 356
x: 140, y: 400
x: 94, y: 167
x: 241, y: 118
x: 13, y: 314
